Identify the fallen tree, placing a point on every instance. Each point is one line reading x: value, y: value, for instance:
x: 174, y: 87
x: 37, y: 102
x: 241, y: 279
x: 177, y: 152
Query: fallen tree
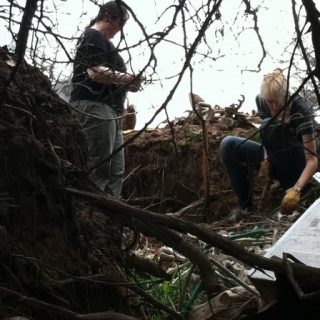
x: 61, y: 253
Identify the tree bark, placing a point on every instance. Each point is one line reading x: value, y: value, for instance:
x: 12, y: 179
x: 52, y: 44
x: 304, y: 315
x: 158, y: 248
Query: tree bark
x: 313, y: 16
x: 23, y: 34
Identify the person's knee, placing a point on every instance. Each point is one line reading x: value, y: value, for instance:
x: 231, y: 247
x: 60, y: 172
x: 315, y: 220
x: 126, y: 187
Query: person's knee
x: 227, y: 145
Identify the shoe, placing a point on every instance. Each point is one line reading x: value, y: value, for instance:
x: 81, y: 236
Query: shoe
x: 236, y: 214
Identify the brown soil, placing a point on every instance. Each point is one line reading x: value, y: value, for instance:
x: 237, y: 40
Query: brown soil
x: 51, y: 243
x: 165, y: 166
x: 61, y: 257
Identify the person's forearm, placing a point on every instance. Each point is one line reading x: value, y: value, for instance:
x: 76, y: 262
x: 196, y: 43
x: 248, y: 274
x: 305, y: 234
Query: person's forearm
x: 307, y: 173
x: 106, y: 75
x: 310, y: 150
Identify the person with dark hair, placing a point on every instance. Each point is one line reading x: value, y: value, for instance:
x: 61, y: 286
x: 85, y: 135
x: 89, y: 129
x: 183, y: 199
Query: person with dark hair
x: 287, y: 152
x: 100, y: 83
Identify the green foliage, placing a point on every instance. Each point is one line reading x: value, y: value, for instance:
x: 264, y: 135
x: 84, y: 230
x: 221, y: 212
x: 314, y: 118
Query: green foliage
x: 166, y: 292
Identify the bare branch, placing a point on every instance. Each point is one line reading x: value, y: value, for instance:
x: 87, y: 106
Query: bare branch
x: 23, y: 34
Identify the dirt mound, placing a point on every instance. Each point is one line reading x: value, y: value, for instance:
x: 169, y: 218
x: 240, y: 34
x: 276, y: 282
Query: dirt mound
x: 165, y: 167
x: 61, y: 248
x: 50, y: 242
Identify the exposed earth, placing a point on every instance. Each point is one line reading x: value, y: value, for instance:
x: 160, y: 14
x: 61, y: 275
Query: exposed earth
x: 165, y: 167
x: 65, y: 247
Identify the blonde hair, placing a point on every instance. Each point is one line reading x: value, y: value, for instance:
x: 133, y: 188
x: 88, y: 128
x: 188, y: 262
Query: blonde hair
x: 274, y: 86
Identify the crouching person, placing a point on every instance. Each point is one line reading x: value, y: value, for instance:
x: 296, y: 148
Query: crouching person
x: 287, y: 152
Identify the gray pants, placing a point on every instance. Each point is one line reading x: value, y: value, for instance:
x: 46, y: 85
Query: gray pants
x: 102, y: 126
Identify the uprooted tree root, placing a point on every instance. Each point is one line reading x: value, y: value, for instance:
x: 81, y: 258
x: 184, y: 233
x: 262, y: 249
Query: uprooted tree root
x: 60, y: 251
x: 167, y: 231
x: 51, y: 244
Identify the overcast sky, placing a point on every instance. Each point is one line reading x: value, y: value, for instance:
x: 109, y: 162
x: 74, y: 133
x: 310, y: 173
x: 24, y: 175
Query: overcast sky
x: 220, y: 81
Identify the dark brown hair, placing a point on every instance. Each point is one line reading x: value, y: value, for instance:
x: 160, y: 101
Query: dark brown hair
x: 115, y: 9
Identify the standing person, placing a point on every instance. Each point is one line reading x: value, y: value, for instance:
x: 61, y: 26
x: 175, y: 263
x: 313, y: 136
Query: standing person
x: 287, y: 152
x: 100, y: 83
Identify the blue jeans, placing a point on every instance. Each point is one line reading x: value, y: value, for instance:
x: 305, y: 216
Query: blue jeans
x: 103, y: 128
x: 239, y: 155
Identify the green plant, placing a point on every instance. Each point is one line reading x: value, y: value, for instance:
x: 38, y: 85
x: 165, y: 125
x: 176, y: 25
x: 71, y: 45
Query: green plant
x: 166, y: 292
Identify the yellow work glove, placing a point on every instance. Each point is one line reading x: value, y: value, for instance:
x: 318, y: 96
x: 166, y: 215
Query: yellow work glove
x: 290, y: 201
x: 264, y: 169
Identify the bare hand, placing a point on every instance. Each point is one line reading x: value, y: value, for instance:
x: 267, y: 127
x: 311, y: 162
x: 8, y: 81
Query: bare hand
x: 133, y: 83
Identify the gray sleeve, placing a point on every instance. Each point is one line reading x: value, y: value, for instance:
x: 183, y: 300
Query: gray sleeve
x: 302, y: 116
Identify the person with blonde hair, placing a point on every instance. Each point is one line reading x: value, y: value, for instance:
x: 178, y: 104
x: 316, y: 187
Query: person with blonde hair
x: 274, y: 85
x: 287, y: 152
